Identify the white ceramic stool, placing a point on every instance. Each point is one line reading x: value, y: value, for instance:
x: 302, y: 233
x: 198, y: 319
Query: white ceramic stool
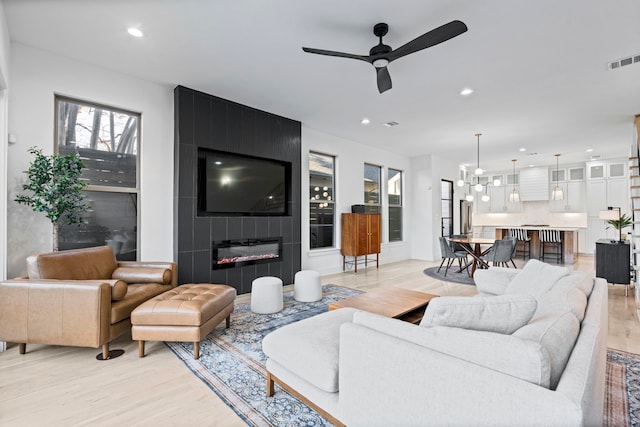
x: 266, y: 295
x: 307, y: 287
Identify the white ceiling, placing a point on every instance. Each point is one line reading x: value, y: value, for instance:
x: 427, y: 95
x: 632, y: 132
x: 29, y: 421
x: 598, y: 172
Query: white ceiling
x: 538, y: 68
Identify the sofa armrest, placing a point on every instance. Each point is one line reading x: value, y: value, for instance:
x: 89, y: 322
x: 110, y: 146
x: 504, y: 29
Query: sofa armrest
x: 494, y: 280
x: 385, y: 380
x: 57, y: 312
x: 129, y: 265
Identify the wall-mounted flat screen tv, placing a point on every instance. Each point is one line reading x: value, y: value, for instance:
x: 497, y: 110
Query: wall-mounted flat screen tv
x: 231, y: 184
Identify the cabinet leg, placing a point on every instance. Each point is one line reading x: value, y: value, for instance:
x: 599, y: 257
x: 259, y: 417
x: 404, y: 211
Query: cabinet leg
x: 355, y: 264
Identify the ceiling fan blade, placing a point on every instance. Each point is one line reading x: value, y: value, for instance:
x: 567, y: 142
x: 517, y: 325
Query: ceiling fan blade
x: 338, y: 54
x: 384, y: 79
x: 431, y: 38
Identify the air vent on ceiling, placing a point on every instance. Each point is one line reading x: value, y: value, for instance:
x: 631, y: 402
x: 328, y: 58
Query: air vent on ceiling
x: 622, y: 62
x: 391, y: 124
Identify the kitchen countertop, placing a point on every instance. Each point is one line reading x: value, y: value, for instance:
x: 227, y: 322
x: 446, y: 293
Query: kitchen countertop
x: 534, y: 227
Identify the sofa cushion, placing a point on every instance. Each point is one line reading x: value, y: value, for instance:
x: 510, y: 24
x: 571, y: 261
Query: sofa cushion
x: 504, y: 353
x: 493, y: 280
x: 556, y: 334
x: 143, y: 275
x: 577, y: 279
x: 535, y: 278
x: 310, y: 348
x: 502, y: 314
x: 78, y: 264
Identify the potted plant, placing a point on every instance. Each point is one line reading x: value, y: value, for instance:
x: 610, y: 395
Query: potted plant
x: 55, y: 188
x: 619, y: 224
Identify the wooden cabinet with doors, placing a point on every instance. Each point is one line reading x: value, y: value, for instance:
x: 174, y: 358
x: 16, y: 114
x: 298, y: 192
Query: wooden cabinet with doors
x: 360, y: 237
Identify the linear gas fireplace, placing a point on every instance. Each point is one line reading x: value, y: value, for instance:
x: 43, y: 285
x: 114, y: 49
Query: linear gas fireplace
x: 238, y: 253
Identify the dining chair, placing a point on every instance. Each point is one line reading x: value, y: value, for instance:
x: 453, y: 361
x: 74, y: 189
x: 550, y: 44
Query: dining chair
x: 500, y: 254
x: 514, y: 247
x: 450, y: 256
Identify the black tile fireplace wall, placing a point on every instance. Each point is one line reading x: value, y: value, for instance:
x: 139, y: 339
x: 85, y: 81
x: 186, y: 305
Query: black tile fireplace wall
x: 203, y: 120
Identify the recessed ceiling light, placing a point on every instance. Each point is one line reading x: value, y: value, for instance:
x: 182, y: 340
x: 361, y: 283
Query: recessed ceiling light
x: 365, y: 121
x: 135, y: 32
x: 391, y: 124
x: 532, y: 166
x: 466, y: 91
x: 589, y: 150
x: 522, y: 149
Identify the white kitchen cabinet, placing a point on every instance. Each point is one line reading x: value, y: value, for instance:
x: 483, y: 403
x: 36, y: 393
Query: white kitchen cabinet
x: 497, y: 202
x: 534, y: 184
x: 596, y: 197
x: 574, y: 197
x: 618, y: 194
x: 595, y: 170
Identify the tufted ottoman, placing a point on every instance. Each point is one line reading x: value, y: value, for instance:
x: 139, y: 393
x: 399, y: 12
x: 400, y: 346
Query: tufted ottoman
x: 185, y: 313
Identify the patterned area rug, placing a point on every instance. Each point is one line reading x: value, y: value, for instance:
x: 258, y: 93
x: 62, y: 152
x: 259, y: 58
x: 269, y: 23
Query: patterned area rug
x: 622, y: 395
x: 452, y: 276
x: 232, y: 363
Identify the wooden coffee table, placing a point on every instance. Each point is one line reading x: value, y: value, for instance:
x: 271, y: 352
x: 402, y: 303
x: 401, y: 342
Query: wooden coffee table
x: 398, y: 303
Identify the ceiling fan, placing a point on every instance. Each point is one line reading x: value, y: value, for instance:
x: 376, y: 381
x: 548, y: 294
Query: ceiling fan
x: 381, y: 54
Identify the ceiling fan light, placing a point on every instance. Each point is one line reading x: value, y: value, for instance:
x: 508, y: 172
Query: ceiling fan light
x: 381, y: 62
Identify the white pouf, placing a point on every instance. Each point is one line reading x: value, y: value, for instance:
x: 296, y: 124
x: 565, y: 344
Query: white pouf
x: 266, y: 295
x: 307, y: 287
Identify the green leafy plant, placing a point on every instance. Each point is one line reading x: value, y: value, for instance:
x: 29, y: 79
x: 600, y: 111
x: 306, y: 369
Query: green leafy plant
x: 619, y: 224
x: 55, y: 188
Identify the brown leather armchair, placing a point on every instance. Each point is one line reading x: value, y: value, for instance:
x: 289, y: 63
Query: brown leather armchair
x: 80, y: 298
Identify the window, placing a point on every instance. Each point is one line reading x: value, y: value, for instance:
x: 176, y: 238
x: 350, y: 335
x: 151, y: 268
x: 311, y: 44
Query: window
x: 321, y: 205
x: 447, y: 207
x: 107, y: 141
x: 394, y: 194
x: 372, y: 178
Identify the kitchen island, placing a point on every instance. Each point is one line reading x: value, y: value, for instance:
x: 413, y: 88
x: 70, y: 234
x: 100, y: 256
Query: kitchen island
x: 569, y: 237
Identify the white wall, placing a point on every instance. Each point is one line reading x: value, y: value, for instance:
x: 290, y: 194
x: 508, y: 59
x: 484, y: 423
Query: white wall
x: 426, y: 195
x: 37, y: 76
x: 350, y: 159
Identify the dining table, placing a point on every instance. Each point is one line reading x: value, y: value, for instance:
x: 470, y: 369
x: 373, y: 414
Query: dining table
x: 474, y: 247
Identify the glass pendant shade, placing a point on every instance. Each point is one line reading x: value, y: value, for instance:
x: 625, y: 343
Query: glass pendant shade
x: 478, y: 172
x: 514, y: 196
x: 469, y: 197
x: 478, y: 187
x: 460, y: 183
x: 497, y: 182
x: 557, y: 193
x: 485, y: 197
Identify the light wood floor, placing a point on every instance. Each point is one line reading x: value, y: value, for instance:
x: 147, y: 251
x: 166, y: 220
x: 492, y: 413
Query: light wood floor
x: 65, y: 386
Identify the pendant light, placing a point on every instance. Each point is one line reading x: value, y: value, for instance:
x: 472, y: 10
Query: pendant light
x: 478, y: 171
x: 469, y: 196
x: 514, y: 194
x: 485, y: 196
x: 557, y: 193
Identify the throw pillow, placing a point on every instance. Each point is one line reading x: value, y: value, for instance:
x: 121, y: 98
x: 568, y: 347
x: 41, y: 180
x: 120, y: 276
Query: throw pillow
x: 535, y: 278
x: 503, y: 314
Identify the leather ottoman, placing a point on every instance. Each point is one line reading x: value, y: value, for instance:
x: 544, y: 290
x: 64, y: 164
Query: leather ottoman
x: 185, y: 313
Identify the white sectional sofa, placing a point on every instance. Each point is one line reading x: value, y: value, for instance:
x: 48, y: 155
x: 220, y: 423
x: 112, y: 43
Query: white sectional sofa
x: 529, y: 350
